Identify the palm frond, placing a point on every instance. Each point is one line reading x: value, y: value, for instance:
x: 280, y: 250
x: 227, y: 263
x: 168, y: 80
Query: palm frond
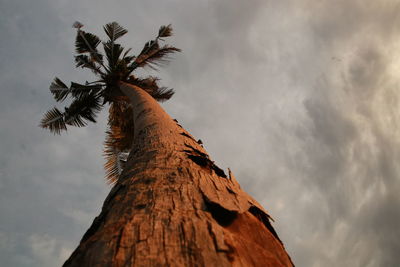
x: 82, y: 110
x: 113, y: 52
x: 119, y: 138
x: 162, y: 94
x: 80, y: 90
x: 165, y: 31
x: 123, y: 127
x: 115, y: 158
x: 84, y: 61
x: 149, y: 47
x: 89, y: 98
x: 150, y: 85
x: 112, y: 166
x: 86, y: 42
x: 54, y: 121
x: 59, y: 90
x: 155, y: 57
x: 126, y: 53
x: 114, y: 31
x: 126, y: 58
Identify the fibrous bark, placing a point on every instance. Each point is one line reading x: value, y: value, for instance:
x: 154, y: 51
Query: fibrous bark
x: 172, y: 206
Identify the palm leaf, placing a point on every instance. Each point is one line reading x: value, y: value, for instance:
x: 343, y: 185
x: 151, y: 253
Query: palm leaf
x: 80, y: 90
x: 155, y: 57
x: 162, y: 94
x: 126, y: 53
x: 88, y: 97
x: 85, y: 61
x: 54, y: 121
x: 150, y: 85
x: 82, y: 110
x: 149, y: 46
x: 113, y: 52
x: 152, y: 55
x: 59, y: 90
x: 114, y: 31
x: 165, y: 31
x: 127, y: 59
x: 86, y: 42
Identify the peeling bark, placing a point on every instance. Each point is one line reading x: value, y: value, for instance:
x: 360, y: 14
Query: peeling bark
x: 168, y: 209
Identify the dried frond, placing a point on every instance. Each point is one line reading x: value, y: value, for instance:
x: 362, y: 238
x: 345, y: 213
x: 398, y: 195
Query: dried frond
x: 115, y: 158
x: 119, y: 113
x: 121, y: 124
x: 112, y: 165
x: 119, y: 139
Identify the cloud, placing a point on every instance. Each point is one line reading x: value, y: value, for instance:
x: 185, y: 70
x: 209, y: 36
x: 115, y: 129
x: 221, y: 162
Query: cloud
x: 348, y: 145
x: 47, y: 250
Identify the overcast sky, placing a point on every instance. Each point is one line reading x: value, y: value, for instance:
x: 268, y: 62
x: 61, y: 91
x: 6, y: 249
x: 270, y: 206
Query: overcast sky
x: 299, y: 98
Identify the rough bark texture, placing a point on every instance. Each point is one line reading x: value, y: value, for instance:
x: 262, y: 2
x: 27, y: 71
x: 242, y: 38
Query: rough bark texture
x: 172, y: 206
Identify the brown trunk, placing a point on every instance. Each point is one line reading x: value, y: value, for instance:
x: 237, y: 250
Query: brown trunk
x: 172, y: 206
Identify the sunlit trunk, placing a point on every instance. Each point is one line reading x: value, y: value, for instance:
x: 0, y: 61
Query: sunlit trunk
x: 172, y: 206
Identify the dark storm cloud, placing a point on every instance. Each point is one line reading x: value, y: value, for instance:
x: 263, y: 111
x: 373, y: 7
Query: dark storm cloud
x: 42, y: 178
x: 351, y: 156
x: 298, y: 98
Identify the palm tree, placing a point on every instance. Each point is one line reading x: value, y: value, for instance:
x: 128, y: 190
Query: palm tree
x: 170, y: 204
x: 89, y: 98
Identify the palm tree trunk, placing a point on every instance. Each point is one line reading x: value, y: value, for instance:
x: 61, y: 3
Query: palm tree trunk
x: 172, y: 206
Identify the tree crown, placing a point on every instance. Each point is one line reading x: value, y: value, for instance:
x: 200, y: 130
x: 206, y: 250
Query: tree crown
x: 113, y: 66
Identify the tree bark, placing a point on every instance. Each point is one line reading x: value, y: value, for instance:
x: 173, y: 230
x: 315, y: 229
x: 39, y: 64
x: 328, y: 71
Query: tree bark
x: 172, y: 206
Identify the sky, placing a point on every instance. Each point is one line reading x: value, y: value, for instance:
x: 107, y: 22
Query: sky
x: 300, y: 99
